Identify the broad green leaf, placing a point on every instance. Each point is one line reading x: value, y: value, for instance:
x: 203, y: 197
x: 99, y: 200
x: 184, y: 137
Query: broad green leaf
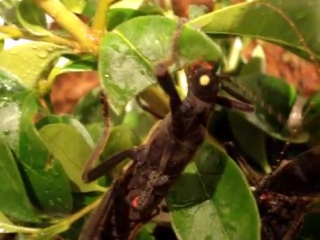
x: 252, y: 144
x: 117, y: 16
x: 73, y: 151
x: 31, y: 61
x: 49, y: 185
x: 212, y: 200
x: 289, y: 23
x: 9, y: 83
x: 14, y: 201
x: 128, y: 54
x: 67, y: 119
x: 32, y: 18
x: 75, y: 6
x: 261, y: 90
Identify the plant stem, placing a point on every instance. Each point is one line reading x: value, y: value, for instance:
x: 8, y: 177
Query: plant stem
x: 71, y: 23
x: 17, y: 33
x: 99, y: 20
x: 83, y: 211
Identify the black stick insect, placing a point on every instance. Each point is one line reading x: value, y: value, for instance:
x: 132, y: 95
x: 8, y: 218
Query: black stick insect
x: 134, y: 197
x: 285, y: 195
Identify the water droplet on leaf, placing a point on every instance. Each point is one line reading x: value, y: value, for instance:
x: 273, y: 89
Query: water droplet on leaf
x: 51, y: 203
x: 6, y: 132
x: 43, y: 54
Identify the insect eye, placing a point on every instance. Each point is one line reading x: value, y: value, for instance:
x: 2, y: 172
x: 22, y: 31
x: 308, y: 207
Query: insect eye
x: 204, y: 80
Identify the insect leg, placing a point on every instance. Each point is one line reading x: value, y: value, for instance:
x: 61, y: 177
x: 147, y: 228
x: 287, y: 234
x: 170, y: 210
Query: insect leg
x: 100, y: 170
x: 235, y: 94
x: 228, y: 103
x: 294, y: 227
x: 239, y: 159
x: 91, y: 229
x: 162, y: 73
x: 103, y: 138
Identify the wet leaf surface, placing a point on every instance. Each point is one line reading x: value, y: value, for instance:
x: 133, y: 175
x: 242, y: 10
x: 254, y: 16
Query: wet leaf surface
x: 46, y: 181
x: 14, y: 201
x: 73, y: 151
x: 32, y: 18
x: 34, y: 60
x: 290, y: 23
x: 211, y: 200
x: 129, y: 52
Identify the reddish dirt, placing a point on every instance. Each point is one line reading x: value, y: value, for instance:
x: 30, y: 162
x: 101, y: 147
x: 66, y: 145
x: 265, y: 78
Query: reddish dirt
x: 283, y: 64
x: 68, y: 88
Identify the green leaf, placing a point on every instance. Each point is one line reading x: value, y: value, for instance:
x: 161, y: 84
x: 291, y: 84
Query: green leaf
x: 212, y: 200
x: 138, y: 120
x: 9, y: 83
x: 73, y: 151
x: 145, y: 233
x: 252, y: 144
x: 262, y: 90
x: 14, y: 201
x: 290, y: 23
x: 89, y: 108
x: 75, y: 6
x: 31, y: 61
x: 75, y: 64
x: 128, y: 53
x: 32, y: 18
x: 49, y: 185
x: 68, y: 119
x: 117, y: 16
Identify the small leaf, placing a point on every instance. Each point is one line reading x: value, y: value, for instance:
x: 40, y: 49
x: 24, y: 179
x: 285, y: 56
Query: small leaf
x: 212, y: 200
x: 73, y: 151
x: 48, y: 184
x: 290, y: 23
x: 14, y: 201
x: 128, y: 54
x: 32, y: 18
x: 34, y: 60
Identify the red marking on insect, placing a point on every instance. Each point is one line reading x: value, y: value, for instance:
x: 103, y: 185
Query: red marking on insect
x: 135, y: 202
x: 265, y: 196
